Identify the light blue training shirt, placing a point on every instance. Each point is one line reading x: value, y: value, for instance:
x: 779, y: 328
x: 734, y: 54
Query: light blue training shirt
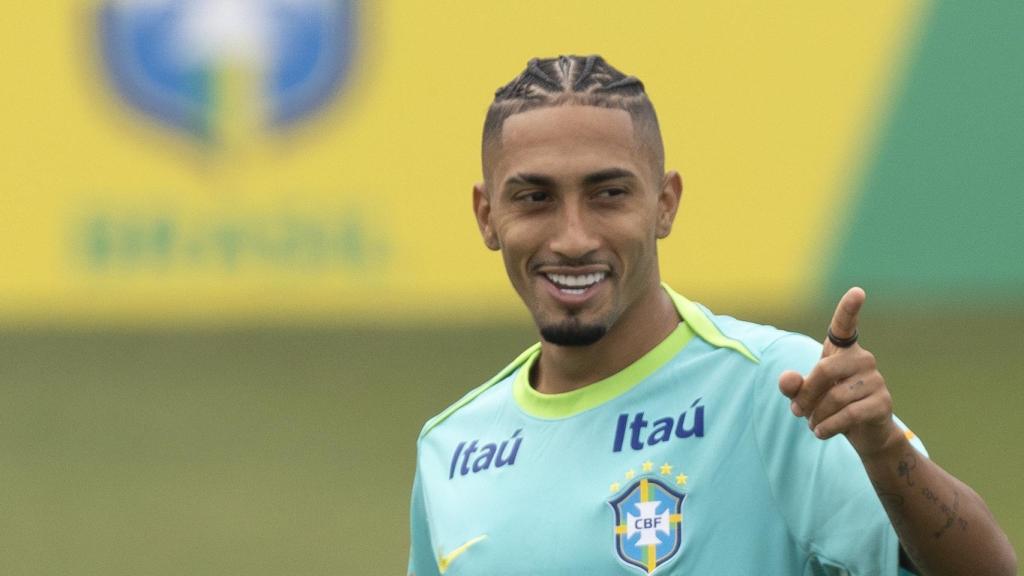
x: 686, y: 462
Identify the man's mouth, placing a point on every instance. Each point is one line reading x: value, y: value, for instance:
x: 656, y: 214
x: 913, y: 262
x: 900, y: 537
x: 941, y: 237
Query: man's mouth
x: 575, y: 284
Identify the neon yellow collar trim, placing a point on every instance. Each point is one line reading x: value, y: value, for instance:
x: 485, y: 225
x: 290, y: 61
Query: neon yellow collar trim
x: 571, y: 403
x: 552, y: 406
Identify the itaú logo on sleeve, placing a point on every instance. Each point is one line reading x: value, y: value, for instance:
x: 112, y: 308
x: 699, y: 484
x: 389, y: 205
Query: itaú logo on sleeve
x: 218, y: 69
x: 474, y: 456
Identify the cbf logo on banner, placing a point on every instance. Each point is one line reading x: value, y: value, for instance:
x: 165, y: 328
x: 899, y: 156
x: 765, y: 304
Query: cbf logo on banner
x: 208, y: 67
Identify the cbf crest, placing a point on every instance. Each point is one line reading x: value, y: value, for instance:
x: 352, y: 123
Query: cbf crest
x: 648, y: 512
x: 209, y: 67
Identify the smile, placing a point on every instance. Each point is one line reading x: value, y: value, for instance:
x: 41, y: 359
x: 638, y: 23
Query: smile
x: 575, y: 284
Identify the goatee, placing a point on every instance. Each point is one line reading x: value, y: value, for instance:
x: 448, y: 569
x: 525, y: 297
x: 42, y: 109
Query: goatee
x: 572, y: 333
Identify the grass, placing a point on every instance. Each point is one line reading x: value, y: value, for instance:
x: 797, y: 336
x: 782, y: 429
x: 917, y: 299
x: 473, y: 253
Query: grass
x: 290, y: 451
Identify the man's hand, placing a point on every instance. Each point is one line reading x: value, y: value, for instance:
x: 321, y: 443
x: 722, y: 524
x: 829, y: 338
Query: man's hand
x: 942, y: 524
x: 845, y: 393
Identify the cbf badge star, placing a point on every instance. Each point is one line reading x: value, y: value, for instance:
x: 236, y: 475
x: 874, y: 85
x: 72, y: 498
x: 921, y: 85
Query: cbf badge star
x: 648, y: 516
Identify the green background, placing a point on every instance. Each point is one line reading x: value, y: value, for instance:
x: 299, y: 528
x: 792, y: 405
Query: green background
x: 938, y: 215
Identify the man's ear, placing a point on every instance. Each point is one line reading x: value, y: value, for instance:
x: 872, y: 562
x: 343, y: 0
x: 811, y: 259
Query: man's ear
x: 482, y: 210
x: 668, y: 202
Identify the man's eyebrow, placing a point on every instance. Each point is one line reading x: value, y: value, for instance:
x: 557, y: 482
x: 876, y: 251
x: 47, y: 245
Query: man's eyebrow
x: 530, y: 179
x: 605, y: 175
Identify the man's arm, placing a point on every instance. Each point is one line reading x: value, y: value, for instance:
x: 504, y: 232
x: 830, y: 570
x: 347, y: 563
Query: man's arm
x: 943, y: 525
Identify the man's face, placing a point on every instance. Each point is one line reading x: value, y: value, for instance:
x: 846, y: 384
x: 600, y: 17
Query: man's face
x: 574, y: 204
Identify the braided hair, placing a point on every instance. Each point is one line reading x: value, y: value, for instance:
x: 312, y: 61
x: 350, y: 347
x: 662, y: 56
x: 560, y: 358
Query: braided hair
x: 574, y: 80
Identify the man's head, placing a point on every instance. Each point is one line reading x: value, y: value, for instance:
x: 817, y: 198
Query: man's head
x: 575, y: 195
x: 579, y: 81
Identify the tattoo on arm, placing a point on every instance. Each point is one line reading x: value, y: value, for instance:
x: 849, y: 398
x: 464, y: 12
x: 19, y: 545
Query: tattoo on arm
x: 905, y: 469
x: 952, y: 513
x: 895, y: 504
x: 906, y: 466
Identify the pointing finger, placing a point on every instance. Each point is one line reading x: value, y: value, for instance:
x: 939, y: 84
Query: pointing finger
x: 823, y: 376
x: 844, y: 320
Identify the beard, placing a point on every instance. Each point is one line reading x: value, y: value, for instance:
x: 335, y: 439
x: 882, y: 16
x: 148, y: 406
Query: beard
x: 571, y: 332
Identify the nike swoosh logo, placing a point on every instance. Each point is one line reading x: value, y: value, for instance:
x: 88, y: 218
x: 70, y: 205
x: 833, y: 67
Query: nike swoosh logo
x: 446, y: 560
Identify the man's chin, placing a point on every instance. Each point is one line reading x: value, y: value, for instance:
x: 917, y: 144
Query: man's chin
x: 573, y: 333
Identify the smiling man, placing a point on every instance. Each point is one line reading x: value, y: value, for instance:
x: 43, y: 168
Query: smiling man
x: 644, y: 434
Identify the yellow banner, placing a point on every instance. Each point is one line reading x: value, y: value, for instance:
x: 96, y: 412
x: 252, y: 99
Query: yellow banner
x: 228, y: 161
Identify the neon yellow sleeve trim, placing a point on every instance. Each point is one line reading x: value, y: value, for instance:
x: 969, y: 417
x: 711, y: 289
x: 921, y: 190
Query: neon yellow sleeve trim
x: 705, y: 328
x: 433, y: 422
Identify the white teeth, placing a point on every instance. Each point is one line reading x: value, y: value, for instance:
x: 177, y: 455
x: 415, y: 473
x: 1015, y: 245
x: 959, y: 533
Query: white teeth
x: 576, y: 284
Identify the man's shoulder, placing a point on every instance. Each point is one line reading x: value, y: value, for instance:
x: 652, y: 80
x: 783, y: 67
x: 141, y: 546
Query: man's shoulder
x: 758, y: 342
x: 478, y: 394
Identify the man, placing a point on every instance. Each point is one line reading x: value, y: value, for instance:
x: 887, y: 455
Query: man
x: 645, y: 434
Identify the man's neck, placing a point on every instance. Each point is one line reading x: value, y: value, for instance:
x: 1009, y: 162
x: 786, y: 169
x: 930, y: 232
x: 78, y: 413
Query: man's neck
x: 637, y: 332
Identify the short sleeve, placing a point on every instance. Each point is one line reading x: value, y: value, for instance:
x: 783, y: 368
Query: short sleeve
x: 421, y: 556
x: 820, y: 486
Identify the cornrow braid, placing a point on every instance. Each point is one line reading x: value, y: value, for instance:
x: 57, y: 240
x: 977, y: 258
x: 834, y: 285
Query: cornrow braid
x: 588, y: 67
x: 573, y: 80
x: 533, y: 70
x: 552, y: 77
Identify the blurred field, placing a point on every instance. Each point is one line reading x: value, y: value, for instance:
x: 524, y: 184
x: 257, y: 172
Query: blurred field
x: 290, y: 451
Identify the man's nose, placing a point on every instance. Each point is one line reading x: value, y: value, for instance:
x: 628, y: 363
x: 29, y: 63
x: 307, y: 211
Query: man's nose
x: 575, y: 236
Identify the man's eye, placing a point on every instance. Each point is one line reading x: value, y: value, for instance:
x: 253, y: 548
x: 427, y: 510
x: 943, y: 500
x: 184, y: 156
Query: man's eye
x: 537, y: 196
x: 611, y: 192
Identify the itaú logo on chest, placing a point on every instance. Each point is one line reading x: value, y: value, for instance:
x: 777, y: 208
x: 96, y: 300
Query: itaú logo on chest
x: 642, y: 432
